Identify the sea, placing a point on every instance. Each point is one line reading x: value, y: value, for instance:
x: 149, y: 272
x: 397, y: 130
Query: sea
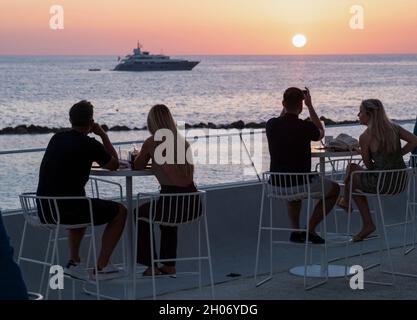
x: 40, y: 90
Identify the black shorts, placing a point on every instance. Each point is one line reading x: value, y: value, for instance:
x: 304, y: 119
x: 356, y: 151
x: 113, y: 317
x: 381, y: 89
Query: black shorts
x: 78, y: 211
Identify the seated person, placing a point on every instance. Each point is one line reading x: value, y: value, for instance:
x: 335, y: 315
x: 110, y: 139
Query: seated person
x: 12, y: 286
x: 414, y: 152
x: 176, y: 177
x: 289, y: 141
x: 64, y: 172
x: 380, y: 146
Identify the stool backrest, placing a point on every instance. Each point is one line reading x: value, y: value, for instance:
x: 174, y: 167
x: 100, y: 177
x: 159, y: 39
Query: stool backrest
x: 392, y: 182
x: 172, y: 209
x: 336, y: 169
x: 41, y: 211
x: 30, y: 209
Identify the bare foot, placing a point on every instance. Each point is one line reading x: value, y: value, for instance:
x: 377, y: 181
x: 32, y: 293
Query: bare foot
x: 365, y: 232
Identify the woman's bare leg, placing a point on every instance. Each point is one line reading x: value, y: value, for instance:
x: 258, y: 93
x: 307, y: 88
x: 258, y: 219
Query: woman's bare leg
x: 349, y: 169
x: 361, y: 202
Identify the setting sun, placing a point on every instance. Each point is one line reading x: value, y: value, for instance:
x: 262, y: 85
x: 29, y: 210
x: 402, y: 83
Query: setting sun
x: 299, y: 40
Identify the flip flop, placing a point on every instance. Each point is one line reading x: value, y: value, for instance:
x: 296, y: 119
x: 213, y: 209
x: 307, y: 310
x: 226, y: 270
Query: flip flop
x: 171, y: 274
x: 357, y: 238
x: 148, y: 273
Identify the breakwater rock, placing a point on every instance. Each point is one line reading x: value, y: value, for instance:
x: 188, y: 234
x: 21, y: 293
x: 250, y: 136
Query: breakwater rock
x: 35, y: 129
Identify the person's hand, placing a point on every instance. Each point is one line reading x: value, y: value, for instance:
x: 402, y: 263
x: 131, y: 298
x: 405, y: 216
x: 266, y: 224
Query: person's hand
x: 307, y: 98
x: 97, y: 129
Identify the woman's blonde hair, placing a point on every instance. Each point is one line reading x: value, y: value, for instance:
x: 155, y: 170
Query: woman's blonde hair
x: 380, y: 127
x: 159, y: 117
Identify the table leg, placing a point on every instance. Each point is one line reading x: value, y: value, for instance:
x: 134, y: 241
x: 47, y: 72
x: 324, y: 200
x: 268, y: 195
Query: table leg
x: 320, y: 270
x: 130, y: 233
x: 322, y: 166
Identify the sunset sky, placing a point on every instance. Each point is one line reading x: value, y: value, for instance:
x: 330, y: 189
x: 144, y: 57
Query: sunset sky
x: 188, y: 27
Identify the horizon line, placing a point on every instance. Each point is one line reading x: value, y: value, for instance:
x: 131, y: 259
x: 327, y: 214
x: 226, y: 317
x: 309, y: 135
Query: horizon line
x: 216, y: 55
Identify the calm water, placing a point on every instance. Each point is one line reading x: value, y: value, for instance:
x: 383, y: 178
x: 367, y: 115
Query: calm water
x: 40, y: 90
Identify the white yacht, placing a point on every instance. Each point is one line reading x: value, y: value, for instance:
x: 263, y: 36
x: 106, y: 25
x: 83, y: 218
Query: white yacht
x: 144, y: 61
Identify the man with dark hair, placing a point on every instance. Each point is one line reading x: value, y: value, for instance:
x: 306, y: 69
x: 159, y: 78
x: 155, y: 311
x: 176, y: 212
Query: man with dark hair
x: 81, y: 113
x: 64, y: 172
x: 289, y: 141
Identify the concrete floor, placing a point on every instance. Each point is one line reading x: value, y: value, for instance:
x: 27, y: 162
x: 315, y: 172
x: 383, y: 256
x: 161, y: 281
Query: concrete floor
x: 285, y: 286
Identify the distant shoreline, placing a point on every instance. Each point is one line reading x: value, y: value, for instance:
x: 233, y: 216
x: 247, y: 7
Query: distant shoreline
x: 35, y: 129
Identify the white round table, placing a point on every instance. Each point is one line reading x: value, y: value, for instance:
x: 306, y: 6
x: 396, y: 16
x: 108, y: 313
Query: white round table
x: 324, y: 269
x: 128, y: 174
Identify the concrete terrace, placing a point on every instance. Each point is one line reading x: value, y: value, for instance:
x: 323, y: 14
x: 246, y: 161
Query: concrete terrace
x: 285, y: 286
x: 233, y: 217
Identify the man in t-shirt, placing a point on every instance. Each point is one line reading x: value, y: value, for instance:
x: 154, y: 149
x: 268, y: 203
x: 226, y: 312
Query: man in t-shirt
x: 64, y: 172
x: 289, y: 141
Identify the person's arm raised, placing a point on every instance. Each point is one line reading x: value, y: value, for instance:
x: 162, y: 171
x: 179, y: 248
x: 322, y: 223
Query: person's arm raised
x: 313, y: 115
x: 410, y: 138
x: 113, y: 164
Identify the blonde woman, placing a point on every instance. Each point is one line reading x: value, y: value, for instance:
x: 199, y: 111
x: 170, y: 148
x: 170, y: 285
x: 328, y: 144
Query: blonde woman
x: 380, y: 147
x: 174, y: 170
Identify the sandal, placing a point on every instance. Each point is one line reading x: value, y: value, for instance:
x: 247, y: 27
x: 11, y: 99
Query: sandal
x: 148, y: 272
x: 358, y: 238
x: 168, y: 270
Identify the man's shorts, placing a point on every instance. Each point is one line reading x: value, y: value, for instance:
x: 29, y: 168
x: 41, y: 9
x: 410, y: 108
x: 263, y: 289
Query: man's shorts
x: 315, y: 185
x: 301, y: 192
x: 74, y: 212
